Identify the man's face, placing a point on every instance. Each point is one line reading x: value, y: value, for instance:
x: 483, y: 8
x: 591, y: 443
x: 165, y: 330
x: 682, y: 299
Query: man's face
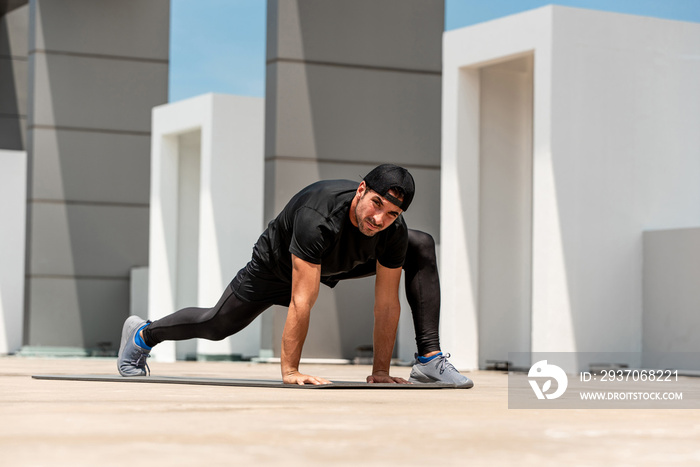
x: 373, y: 213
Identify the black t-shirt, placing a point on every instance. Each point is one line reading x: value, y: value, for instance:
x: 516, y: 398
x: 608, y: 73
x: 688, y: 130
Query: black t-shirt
x: 315, y: 226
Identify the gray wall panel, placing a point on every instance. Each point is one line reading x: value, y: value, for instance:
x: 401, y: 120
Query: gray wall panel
x: 670, y: 320
x: 13, y: 78
x: 357, y: 114
x: 351, y: 85
x: 271, y: 83
x: 387, y: 33
x: 13, y: 86
x: 14, y: 28
x: 132, y: 28
x: 77, y: 313
x: 96, y: 93
x: 87, y: 240
x: 13, y: 132
x: 96, y: 69
x: 93, y: 167
x: 424, y: 213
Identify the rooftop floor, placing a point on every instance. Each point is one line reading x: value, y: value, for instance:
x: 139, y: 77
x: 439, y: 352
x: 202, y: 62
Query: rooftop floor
x: 100, y: 423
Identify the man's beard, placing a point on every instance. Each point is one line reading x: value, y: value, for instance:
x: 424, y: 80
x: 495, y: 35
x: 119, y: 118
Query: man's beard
x: 361, y: 225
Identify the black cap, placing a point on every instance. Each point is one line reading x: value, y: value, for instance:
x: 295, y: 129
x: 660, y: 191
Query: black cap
x: 387, y: 177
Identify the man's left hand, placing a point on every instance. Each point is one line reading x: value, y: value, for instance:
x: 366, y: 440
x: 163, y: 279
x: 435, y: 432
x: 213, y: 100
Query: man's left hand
x: 386, y: 379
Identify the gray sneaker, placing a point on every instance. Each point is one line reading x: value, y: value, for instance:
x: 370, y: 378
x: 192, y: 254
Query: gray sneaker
x: 131, y: 360
x: 438, y: 370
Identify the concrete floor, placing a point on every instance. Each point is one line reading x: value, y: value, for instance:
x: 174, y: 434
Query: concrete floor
x: 54, y: 423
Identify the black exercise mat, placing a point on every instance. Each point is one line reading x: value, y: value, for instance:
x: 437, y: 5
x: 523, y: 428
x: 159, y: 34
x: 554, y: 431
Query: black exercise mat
x: 251, y: 383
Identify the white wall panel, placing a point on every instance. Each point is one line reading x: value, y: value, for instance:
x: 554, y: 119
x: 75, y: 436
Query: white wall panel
x: 13, y: 207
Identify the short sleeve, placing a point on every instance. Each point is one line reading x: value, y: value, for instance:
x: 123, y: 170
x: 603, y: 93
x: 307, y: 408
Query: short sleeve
x: 393, y: 252
x: 309, y: 235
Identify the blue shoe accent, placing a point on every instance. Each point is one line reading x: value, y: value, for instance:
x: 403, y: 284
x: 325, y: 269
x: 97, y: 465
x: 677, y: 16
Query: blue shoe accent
x: 427, y: 359
x: 139, y: 340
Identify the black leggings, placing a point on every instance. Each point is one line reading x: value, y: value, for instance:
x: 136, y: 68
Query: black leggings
x: 232, y: 314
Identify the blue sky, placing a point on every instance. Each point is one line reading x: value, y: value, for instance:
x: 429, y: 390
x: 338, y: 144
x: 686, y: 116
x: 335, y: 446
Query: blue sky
x: 219, y: 45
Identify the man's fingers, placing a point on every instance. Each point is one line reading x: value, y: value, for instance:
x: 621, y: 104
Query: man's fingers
x: 301, y: 379
x: 386, y: 379
x: 312, y: 380
x: 316, y: 380
x: 321, y: 380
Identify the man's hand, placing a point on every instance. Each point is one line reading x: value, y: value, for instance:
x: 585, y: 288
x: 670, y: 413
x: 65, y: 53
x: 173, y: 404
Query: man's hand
x: 301, y: 379
x: 385, y: 378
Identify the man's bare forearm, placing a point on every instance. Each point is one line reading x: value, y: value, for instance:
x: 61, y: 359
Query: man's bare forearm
x: 293, y: 337
x: 386, y: 321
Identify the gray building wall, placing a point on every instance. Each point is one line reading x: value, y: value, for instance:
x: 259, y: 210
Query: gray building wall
x: 95, y: 70
x: 351, y: 85
x: 14, y: 22
x: 671, y: 315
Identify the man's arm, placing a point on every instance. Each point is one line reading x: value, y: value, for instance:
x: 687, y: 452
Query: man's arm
x: 306, y: 279
x: 387, y: 309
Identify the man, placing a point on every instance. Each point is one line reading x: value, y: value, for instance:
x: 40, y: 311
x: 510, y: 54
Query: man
x: 330, y: 231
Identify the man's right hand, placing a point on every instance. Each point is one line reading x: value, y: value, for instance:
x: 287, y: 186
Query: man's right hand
x: 301, y: 379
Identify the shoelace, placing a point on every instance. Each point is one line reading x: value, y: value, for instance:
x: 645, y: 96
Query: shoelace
x: 442, y: 364
x: 142, y: 362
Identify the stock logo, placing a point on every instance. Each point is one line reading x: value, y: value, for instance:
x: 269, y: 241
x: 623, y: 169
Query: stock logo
x: 542, y: 369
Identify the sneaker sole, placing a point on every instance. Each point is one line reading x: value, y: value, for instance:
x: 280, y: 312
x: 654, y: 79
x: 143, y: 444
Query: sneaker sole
x: 418, y: 377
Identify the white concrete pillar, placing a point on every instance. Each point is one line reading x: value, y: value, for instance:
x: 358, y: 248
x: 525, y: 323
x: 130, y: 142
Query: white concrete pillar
x: 13, y: 209
x: 206, y: 209
x: 613, y: 154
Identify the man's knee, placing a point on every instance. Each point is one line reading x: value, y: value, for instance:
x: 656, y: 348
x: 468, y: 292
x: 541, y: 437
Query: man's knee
x: 219, y: 334
x: 421, y: 250
x: 421, y: 243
